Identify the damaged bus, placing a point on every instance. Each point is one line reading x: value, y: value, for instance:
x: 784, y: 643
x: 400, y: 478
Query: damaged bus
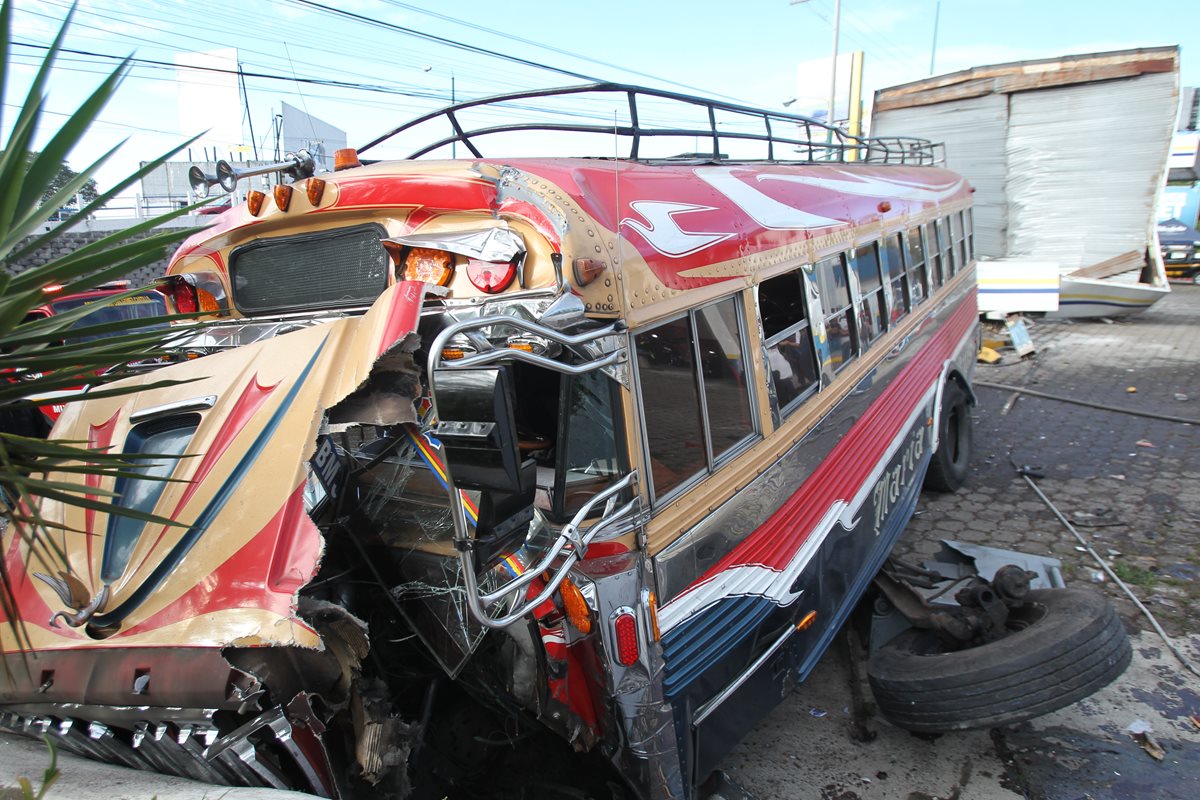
x: 597, y: 451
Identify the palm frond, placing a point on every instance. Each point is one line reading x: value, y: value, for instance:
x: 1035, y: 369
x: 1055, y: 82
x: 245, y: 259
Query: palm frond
x: 59, y: 354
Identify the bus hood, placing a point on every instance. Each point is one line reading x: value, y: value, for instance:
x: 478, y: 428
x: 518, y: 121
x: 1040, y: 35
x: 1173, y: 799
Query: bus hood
x: 248, y: 423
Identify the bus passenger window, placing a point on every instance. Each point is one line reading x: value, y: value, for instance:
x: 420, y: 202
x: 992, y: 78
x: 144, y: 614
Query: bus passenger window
x: 670, y: 403
x: 918, y: 281
x: 679, y: 395
x: 834, y: 289
x: 960, y: 242
x: 969, y: 228
x: 949, y: 259
x: 893, y: 267
x: 723, y: 368
x: 787, y: 339
x: 872, y: 317
x: 934, y: 255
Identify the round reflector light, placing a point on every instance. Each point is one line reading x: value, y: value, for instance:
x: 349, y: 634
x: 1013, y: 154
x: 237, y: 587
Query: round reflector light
x: 491, y: 277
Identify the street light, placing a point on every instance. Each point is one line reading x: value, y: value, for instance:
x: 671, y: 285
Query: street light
x: 453, y: 100
x: 837, y: 20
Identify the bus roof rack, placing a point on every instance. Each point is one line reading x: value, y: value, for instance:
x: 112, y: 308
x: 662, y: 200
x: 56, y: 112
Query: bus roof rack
x: 809, y: 140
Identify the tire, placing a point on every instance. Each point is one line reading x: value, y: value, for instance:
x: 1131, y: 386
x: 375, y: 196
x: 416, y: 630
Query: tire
x: 1064, y: 645
x: 948, y: 466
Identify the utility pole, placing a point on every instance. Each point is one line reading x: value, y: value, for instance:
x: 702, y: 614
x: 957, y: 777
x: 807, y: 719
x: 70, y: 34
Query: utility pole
x: 937, y: 12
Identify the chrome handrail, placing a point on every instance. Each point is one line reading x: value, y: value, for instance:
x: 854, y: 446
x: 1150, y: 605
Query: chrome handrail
x: 571, y: 535
x: 572, y: 540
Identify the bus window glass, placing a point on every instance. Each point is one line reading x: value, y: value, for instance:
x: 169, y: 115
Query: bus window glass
x: 832, y: 284
x: 918, y: 282
x: 960, y: 242
x: 780, y: 303
x: 872, y: 316
x: 723, y: 367
x: 893, y: 267
x: 789, y: 346
x: 935, y: 256
x: 949, y: 259
x: 671, y: 404
x: 969, y: 227
x: 590, y: 457
x: 833, y: 288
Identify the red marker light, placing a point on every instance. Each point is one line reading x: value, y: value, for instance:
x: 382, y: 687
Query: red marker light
x: 491, y: 277
x: 625, y: 634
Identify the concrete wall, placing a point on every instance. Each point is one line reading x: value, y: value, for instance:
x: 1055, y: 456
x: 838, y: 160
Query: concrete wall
x: 92, y: 231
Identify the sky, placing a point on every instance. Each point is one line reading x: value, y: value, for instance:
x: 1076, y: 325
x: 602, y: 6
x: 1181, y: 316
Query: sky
x: 409, y: 53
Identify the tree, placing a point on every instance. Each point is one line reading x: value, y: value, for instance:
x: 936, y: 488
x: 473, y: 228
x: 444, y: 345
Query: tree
x: 65, y: 175
x: 34, y: 359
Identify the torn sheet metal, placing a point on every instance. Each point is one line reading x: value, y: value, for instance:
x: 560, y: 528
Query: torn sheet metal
x: 230, y: 572
x: 490, y: 244
x: 960, y: 559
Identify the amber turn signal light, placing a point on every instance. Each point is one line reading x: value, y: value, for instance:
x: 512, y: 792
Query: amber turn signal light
x: 652, y: 604
x: 575, y: 606
x: 588, y: 269
x: 314, y: 189
x: 806, y: 621
x: 345, y: 158
x: 428, y: 266
x: 254, y: 201
x: 283, y: 196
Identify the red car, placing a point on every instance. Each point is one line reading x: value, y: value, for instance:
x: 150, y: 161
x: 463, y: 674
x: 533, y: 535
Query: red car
x: 148, y: 304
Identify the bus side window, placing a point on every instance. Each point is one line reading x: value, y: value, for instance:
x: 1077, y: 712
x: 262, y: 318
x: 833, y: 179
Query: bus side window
x: 872, y: 315
x: 893, y: 268
x: 946, y: 244
x: 788, y: 340
x: 918, y: 279
x: 934, y: 254
x: 969, y: 228
x: 694, y: 393
x: 833, y: 286
x: 959, y: 239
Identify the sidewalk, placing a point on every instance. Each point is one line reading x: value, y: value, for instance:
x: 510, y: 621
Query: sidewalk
x: 1128, y: 483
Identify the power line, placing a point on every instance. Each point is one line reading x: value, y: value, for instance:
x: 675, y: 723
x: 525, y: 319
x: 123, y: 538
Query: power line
x: 429, y: 37
x: 149, y: 62
x: 522, y: 40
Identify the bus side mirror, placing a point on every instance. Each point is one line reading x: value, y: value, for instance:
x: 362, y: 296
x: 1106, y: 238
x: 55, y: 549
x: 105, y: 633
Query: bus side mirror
x: 478, y: 431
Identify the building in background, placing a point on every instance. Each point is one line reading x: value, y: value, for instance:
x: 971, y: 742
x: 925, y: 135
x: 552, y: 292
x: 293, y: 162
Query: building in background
x: 1068, y: 157
x: 212, y: 98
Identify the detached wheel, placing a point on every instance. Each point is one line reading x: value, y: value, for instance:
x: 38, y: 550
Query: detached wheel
x: 1064, y: 645
x: 948, y: 467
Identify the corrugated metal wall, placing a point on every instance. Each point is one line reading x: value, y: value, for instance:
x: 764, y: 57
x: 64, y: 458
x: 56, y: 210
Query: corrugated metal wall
x: 1068, y: 174
x: 1085, y: 164
x: 974, y: 133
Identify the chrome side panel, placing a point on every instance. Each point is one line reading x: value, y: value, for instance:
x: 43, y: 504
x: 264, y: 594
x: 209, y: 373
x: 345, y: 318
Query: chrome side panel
x: 650, y: 757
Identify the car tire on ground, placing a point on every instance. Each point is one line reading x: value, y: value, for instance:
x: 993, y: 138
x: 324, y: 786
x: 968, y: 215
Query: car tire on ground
x: 1063, y: 645
x: 948, y: 467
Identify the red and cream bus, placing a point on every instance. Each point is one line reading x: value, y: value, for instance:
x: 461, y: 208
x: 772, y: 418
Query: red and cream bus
x: 491, y: 451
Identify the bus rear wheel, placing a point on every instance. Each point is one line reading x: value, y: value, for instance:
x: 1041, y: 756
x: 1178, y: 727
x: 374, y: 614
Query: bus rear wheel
x: 948, y: 468
x: 1061, y: 646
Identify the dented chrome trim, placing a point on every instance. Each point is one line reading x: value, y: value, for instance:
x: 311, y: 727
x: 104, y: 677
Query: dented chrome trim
x: 202, y: 403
